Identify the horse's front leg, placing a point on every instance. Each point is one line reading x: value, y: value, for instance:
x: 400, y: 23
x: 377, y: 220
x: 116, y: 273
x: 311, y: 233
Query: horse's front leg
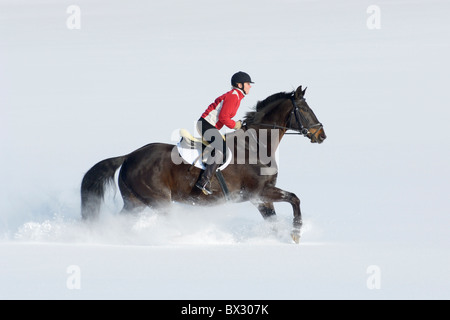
x: 274, y: 194
x: 266, y: 209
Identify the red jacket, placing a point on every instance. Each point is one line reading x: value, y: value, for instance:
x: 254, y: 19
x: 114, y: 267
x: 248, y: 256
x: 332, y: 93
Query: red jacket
x: 220, y: 112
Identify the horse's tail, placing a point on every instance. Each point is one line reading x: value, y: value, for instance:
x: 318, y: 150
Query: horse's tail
x: 94, y: 183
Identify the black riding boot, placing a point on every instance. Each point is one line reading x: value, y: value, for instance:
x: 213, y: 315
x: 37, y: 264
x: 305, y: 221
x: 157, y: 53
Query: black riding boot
x: 204, y: 181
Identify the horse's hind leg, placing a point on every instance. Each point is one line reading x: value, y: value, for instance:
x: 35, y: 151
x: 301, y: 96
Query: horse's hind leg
x: 131, y: 204
x: 157, y: 199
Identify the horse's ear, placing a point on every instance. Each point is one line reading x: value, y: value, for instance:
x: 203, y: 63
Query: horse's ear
x: 299, y: 93
x: 304, y: 90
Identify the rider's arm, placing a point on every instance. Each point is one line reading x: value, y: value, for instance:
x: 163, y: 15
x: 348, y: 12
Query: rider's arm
x: 229, y: 109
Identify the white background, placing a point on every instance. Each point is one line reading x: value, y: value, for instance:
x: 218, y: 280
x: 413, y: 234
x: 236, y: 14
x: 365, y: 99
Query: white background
x: 375, y: 193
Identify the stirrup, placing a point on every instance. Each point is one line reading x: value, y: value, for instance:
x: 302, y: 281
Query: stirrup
x: 204, y: 188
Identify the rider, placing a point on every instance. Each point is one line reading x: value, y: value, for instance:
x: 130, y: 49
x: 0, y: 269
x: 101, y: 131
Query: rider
x: 218, y: 114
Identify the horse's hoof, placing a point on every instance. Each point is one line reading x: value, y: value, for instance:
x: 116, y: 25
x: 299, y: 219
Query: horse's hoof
x: 296, y: 237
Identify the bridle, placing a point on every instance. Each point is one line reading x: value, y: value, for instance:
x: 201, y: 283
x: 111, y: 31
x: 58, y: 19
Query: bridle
x: 300, y: 120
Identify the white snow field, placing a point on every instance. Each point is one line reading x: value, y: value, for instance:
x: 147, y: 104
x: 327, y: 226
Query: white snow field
x: 82, y: 81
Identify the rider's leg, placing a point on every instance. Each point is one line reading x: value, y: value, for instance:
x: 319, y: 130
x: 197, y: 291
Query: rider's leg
x: 214, y: 158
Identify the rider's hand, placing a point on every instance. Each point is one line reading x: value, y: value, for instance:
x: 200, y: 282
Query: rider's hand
x: 238, y: 125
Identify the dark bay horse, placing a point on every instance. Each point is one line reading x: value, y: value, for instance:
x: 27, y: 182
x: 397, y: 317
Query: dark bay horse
x: 149, y: 177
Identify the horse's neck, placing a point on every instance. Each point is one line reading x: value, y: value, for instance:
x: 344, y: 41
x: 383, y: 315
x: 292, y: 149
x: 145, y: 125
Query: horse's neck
x: 257, y: 137
x: 270, y: 137
x: 271, y: 130
x: 266, y: 130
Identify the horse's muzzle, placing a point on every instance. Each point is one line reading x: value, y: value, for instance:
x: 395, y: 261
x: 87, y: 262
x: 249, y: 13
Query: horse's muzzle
x: 321, y: 138
x: 318, y: 136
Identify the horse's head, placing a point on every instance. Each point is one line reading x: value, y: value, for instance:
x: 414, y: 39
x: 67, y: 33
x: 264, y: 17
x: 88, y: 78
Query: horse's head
x: 303, y: 119
x: 287, y: 111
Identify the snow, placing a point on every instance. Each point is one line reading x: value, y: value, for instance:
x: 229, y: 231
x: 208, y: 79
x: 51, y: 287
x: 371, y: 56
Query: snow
x: 374, y: 194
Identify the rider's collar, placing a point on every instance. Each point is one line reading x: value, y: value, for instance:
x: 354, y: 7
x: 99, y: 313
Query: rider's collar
x: 239, y: 89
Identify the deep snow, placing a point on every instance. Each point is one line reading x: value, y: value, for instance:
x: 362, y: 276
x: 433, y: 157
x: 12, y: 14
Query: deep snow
x: 374, y: 194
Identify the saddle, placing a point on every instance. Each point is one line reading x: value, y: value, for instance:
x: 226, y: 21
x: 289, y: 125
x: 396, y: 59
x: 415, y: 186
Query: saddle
x: 188, y: 138
x: 190, y: 149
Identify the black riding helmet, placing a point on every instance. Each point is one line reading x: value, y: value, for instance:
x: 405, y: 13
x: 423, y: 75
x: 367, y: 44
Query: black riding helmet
x: 240, y: 77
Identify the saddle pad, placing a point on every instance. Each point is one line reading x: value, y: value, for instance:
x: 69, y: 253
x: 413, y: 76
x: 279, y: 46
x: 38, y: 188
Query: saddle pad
x: 192, y: 155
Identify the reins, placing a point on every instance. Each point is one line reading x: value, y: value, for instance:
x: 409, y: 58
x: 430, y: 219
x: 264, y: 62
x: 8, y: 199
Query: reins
x: 298, y: 118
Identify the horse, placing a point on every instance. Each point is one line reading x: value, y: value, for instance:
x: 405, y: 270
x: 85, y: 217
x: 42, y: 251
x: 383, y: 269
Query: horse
x: 149, y: 177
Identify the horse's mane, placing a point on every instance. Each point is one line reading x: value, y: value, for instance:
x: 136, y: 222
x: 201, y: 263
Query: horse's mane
x: 265, y: 106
